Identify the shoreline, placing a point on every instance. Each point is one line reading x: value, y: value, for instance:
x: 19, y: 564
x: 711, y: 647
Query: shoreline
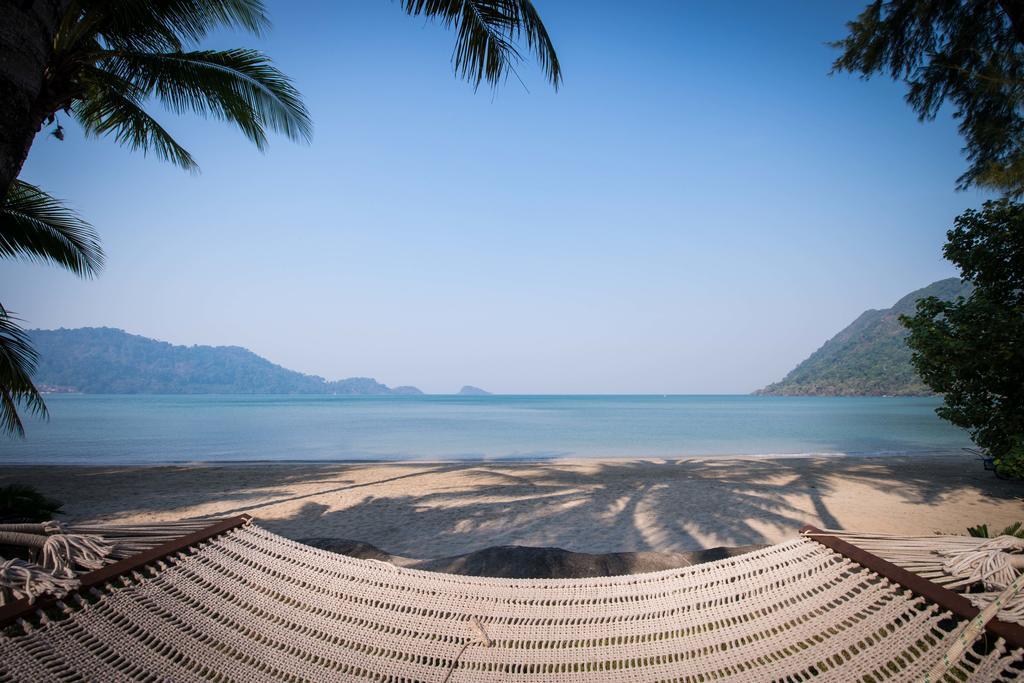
x: 424, y: 510
x: 952, y: 453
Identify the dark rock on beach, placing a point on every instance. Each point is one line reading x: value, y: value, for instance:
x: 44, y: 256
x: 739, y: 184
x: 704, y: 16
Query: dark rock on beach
x: 524, y: 562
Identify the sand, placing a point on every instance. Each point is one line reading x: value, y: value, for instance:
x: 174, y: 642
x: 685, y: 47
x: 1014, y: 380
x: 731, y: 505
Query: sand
x: 436, y: 509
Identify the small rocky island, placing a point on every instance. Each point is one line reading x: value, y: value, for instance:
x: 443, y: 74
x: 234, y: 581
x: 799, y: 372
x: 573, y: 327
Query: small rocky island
x: 473, y: 391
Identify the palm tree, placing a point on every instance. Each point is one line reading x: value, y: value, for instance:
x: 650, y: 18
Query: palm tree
x: 109, y: 59
x: 102, y: 62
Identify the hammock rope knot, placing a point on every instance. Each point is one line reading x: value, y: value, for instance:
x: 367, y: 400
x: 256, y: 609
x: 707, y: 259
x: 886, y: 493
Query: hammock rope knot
x: 990, y: 563
x: 21, y: 579
x: 62, y: 552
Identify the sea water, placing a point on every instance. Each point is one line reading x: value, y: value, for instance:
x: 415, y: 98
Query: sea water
x: 90, y: 429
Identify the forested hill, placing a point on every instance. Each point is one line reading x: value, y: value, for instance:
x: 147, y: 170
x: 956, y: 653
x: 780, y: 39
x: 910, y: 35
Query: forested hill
x: 869, y: 357
x: 102, y: 360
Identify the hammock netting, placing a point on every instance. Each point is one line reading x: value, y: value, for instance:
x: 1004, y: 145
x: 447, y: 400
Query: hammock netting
x: 249, y: 605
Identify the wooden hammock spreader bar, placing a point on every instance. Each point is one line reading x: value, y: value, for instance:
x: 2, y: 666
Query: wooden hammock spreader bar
x: 1013, y: 634
x: 254, y: 606
x: 21, y: 608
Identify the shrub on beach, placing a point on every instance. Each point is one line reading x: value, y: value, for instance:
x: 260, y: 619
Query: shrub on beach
x: 21, y: 503
x: 981, y: 531
x: 1011, y: 463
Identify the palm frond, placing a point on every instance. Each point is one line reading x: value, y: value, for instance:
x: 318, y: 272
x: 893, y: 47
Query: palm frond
x: 166, y: 25
x: 240, y: 86
x: 538, y: 40
x: 38, y: 227
x: 17, y: 363
x: 487, y: 32
x: 111, y: 106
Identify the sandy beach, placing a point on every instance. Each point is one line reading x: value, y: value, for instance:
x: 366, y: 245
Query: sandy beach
x: 437, y: 509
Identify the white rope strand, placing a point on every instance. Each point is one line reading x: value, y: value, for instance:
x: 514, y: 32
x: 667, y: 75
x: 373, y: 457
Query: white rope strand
x: 969, y: 632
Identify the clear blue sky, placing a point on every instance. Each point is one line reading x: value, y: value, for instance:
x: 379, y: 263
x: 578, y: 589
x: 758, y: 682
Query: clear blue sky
x: 696, y: 210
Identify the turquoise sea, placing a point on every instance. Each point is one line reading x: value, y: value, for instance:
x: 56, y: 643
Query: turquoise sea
x: 160, y: 429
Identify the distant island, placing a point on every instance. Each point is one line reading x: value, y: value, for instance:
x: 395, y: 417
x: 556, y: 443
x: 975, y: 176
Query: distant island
x: 869, y: 357
x: 103, y: 360
x: 473, y: 391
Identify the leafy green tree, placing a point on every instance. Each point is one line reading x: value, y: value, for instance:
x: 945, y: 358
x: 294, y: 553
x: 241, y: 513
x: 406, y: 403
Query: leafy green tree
x: 967, y: 53
x: 972, y: 350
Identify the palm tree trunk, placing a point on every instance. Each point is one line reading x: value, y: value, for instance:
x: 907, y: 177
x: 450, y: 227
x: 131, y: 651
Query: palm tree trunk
x: 26, y: 42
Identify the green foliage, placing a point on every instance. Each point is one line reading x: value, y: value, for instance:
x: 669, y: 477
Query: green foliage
x: 972, y: 349
x: 867, y: 358
x: 981, y: 531
x: 24, y: 503
x: 1011, y: 463
x: 487, y: 33
x: 111, y: 58
x: 35, y: 226
x: 967, y: 54
x: 17, y: 362
x: 108, y: 361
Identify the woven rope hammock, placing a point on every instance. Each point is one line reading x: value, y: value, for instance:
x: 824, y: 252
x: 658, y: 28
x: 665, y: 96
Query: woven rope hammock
x: 234, y: 602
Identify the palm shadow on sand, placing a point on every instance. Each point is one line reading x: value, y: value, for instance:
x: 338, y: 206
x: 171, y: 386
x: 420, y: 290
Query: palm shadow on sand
x: 421, y: 510
x: 620, y: 506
